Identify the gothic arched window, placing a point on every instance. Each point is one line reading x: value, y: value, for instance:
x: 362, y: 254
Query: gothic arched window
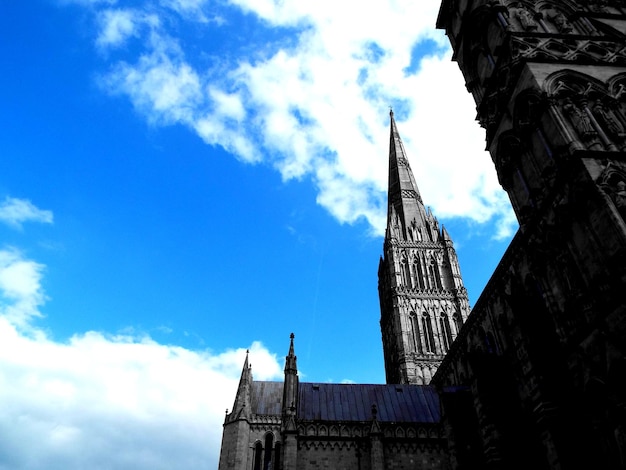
x: 269, y: 445
x: 258, y: 454
x: 433, y: 271
x: 446, y: 333
x: 405, y: 272
x: 417, y: 342
x: 429, y: 338
x: 417, y: 271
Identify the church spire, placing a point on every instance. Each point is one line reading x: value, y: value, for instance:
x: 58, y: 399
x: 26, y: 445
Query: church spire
x: 241, y: 408
x: 422, y: 298
x: 290, y: 390
x: 406, y: 211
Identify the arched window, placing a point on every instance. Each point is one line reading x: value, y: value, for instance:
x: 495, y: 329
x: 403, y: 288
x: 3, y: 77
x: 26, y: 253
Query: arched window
x: 435, y: 278
x: 269, y: 445
x: 417, y: 271
x: 276, y: 456
x: 405, y: 272
x: 258, y: 455
x: 417, y: 342
x: 458, y: 321
x: 429, y: 338
x: 446, y: 333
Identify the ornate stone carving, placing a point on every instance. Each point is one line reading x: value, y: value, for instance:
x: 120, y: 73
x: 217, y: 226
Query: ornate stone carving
x: 579, y: 119
x: 613, y: 183
x: 561, y: 22
x: 606, y: 118
x: 526, y: 19
x: 572, y: 50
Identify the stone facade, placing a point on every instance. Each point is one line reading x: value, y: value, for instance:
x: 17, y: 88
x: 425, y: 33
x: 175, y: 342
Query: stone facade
x: 331, y: 426
x: 537, y: 376
x: 423, y: 302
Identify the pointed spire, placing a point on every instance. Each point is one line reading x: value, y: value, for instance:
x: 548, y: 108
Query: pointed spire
x: 445, y: 235
x: 241, y: 408
x: 290, y: 387
x: 403, y: 196
x: 290, y: 361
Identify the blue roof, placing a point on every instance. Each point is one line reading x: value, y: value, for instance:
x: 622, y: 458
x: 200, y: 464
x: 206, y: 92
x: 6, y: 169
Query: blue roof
x: 352, y: 402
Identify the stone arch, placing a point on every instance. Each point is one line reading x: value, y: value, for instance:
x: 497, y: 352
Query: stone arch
x: 617, y: 86
x: 567, y: 82
x: 558, y: 17
x: 580, y: 99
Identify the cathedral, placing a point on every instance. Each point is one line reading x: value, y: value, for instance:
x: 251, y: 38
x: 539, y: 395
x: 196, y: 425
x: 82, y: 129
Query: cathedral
x: 535, y: 376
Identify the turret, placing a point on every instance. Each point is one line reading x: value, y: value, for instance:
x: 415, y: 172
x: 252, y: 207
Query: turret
x: 236, y: 436
x: 290, y: 406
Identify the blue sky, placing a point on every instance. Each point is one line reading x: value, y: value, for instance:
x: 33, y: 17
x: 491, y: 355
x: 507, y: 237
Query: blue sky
x: 182, y: 180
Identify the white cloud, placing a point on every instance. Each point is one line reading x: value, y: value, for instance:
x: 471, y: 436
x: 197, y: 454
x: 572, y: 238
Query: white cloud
x: 102, y: 401
x: 20, y: 287
x: 315, y: 104
x: 161, y: 85
x: 116, y: 26
x: 15, y: 212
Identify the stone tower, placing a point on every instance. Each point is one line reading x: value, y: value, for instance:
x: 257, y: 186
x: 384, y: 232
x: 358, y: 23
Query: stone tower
x: 422, y: 299
x: 537, y: 379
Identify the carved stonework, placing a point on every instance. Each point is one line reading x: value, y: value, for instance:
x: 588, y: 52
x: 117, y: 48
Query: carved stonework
x: 613, y: 183
x: 561, y: 22
x: 579, y: 118
x: 572, y: 51
x: 608, y: 120
x: 526, y: 19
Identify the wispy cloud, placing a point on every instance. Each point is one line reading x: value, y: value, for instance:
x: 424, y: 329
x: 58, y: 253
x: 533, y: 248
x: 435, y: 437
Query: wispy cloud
x: 313, y: 102
x: 116, y: 27
x: 107, y: 401
x: 14, y: 212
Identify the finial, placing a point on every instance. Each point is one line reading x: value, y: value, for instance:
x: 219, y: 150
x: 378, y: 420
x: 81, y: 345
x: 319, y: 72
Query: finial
x: 374, y: 411
x: 292, y: 336
x: 390, y: 111
x: 226, y: 410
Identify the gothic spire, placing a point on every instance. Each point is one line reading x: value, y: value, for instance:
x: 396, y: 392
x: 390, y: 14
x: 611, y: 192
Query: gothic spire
x: 290, y: 360
x: 404, y: 199
x: 241, y: 408
x: 290, y: 387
